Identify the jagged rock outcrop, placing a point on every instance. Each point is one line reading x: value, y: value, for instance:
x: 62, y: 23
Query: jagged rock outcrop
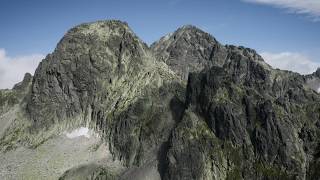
x: 244, y: 120
x: 189, y: 49
x: 256, y: 123
x: 10, y: 102
x: 187, y: 107
x: 313, y: 80
x: 9, y: 98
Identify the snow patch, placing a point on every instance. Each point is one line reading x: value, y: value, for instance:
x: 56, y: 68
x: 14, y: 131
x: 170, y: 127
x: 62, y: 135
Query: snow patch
x: 82, y: 131
x: 318, y: 90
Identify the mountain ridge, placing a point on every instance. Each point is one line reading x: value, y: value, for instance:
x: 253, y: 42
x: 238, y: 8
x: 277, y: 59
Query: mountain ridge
x: 187, y: 107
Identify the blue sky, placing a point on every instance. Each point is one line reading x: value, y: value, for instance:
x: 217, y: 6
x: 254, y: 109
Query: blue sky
x: 279, y: 30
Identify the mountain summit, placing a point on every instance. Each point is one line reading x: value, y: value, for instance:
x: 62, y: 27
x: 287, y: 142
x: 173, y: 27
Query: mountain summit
x: 189, y: 49
x: 104, y: 105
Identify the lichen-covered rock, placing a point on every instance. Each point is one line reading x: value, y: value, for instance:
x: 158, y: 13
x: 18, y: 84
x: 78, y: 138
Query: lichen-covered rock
x: 189, y: 49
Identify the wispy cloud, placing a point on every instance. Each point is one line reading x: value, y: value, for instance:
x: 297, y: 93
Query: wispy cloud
x: 12, y: 69
x: 310, y: 8
x: 291, y: 61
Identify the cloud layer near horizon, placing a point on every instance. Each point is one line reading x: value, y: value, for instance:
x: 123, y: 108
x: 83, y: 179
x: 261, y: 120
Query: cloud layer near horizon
x: 308, y: 7
x: 12, y: 69
x: 291, y: 61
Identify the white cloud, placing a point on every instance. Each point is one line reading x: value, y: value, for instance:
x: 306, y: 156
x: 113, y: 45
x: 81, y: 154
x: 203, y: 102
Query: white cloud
x: 12, y: 69
x: 291, y: 61
x: 308, y: 7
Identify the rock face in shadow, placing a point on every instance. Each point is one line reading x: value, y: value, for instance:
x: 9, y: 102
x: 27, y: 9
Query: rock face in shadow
x: 246, y: 121
x: 187, y: 107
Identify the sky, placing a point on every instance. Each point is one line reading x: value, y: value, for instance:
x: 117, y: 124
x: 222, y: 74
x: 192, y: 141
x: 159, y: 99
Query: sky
x: 284, y: 32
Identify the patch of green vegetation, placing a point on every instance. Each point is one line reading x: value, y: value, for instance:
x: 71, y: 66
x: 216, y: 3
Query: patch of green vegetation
x: 104, y: 174
x: 271, y: 171
x: 234, y: 174
x: 200, y: 132
x: 233, y: 153
x: 21, y: 132
x: 42, y: 141
x: 235, y: 159
x: 313, y: 110
x: 9, y: 141
x: 8, y: 98
x: 90, y: 171
x: 279, y: 111
x: 222, y: 96
x: 236, y: 92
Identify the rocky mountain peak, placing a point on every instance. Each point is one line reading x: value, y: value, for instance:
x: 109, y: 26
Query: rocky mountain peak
x: 109, y: 32
x: 187, y: 31
x: 189, y: 49
x: 91, y: 61
x: 27, y: 80
x: 189, y: 26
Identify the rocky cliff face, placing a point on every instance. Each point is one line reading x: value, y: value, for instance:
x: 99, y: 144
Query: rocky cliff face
x: 185, y: 108
x: 102, y: 76
x: 189, y: 49
x: 255, y: 123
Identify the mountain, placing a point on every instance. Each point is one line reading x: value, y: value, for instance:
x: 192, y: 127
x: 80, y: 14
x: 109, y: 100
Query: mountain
x: 189, y: 49
x: 104, y: 105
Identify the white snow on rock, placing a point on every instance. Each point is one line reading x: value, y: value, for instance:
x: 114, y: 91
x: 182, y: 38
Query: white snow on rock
x: 82, y: 131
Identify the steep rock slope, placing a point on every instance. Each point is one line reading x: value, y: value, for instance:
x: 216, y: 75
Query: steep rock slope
x: 101, y: 75
x: 189, y: 49
x: 245, y: 120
